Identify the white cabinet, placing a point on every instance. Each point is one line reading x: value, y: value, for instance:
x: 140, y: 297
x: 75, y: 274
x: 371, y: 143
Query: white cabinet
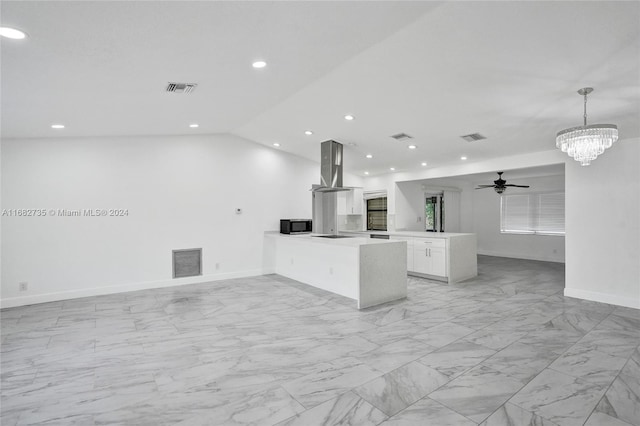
x: 421, y: 259
x: 342, y: 203
x: 409, y: 241
x: 355, y: 199
x: 350, y: 202
x: 438, y: 261
x: 429, y: 256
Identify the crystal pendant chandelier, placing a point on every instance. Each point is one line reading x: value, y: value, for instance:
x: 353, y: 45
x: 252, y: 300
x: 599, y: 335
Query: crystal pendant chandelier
x: 585, y: 143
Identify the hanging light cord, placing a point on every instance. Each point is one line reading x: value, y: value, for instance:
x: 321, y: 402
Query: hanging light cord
x: 585, y: 109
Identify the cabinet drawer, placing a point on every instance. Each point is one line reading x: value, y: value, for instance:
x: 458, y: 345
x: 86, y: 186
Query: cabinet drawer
x: 430, y: 242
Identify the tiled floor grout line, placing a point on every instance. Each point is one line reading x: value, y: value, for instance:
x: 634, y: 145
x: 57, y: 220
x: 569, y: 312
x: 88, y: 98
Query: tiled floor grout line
x: 445, y: 405
x: 427, y: 395
x: 301, y: 404
x: 369, y: 402
x: 609, y: 387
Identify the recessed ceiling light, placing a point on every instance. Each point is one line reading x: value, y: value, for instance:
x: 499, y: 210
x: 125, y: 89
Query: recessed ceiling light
x: 259, y: 64
x: 366, y: 173
x: 392, y: 168
x: 369, y: 156
x: 412, y: 147
x: 349, y: 117
x: 308, y: 132
x: 57, y: 126
x: 423, y: 164
x: 194, y: 125
x: 463, y: 158
x: 276, y: 144
x: 12, y: 33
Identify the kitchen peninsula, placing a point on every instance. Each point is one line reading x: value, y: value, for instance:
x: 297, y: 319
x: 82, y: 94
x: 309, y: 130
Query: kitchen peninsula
x: 370, y: 271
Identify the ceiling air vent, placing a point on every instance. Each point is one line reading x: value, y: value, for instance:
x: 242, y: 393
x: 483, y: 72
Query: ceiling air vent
x: 473, y: 137
x: 401, y: 136
x: 181, y: 87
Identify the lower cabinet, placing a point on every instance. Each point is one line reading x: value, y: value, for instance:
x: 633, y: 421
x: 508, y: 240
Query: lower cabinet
x: 438, y: 261
x: 426, y: 255
x: 430, y: 256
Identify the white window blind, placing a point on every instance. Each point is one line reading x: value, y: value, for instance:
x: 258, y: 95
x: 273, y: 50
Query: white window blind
x: 551, y: 213
x: 516, y: 214
x: 368, y: 195
x: 539, y: 213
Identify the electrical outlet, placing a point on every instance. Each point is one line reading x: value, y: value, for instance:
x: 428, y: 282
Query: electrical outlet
x: 217, y: 266
x: 23, y: 286
x: 419, y: 219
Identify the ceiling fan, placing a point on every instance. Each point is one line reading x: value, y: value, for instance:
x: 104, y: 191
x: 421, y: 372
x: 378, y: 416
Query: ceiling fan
x: 500, y: 185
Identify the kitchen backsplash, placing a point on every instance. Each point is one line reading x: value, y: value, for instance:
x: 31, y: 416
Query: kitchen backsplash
x: 350, y: 223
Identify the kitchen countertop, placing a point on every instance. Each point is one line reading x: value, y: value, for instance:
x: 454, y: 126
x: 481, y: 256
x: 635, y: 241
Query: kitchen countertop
x: 344, y: 242
x: 410, y: 233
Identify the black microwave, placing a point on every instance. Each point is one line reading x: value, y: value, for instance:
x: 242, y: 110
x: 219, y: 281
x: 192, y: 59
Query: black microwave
x: 295, y: 226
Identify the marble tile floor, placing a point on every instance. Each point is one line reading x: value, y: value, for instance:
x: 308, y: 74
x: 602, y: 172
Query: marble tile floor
x: 506, y: 348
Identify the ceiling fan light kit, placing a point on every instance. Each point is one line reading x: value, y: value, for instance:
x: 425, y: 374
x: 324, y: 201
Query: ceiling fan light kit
x: 500, y: 185
x: 584, y: 143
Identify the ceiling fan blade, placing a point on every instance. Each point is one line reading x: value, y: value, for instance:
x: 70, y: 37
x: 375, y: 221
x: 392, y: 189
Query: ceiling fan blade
x: 485, y: 186
x: 517, y: 186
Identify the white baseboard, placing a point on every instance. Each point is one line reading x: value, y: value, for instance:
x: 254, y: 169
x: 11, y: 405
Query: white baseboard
x: 520, y: 256
x: 610, y: 299
x: 123, y: 288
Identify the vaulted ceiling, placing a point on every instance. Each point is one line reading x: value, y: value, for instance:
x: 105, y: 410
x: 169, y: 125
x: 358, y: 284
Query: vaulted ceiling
x: 433, y: 70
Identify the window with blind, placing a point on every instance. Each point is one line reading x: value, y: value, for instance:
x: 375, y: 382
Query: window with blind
x: 377, y: 214
x: 539, y: 213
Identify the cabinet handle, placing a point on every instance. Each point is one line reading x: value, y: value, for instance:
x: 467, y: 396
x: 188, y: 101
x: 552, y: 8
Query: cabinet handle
x: 426, y: 252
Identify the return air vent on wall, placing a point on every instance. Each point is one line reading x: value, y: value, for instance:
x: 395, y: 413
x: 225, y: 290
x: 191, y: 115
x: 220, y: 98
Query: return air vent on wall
x: 473, y: 137
x: 187, y: 263
x: 401, y: 136
x: 181, y: 87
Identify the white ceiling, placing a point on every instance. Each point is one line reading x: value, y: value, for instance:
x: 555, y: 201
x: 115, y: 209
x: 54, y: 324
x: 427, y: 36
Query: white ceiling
x: 509, y: 70
x: 101, y: 68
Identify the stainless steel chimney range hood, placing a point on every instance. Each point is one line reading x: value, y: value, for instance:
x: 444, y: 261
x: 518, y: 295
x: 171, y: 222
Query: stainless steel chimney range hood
x: 330, y: 168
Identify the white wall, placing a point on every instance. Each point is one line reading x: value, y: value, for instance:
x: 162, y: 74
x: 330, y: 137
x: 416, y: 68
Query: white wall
x: 181, y: 192
x: 486, y: 224
x: 603, y: 226
x: 409, y: 203
x: 466, y: 199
